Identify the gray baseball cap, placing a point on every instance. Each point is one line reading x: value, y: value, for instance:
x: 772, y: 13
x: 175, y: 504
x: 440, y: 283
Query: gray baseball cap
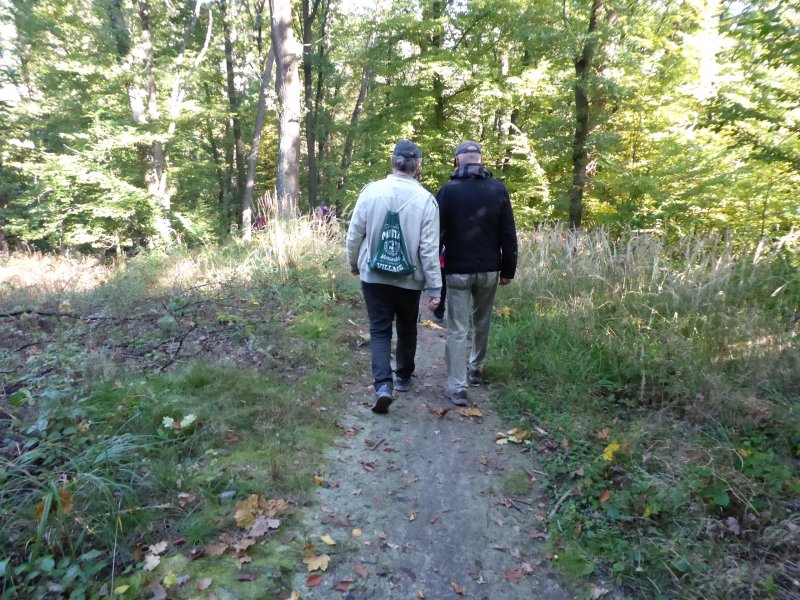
x: 407, y: 149
x: 468, y: 146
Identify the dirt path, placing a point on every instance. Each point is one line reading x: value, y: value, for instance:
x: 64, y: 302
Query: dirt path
x: 443, y: 511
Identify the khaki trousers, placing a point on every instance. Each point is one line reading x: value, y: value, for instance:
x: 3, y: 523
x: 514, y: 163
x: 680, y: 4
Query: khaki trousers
x: 470, y: 297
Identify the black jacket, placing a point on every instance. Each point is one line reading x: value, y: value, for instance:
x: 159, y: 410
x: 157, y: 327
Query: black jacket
x: 477, y: 223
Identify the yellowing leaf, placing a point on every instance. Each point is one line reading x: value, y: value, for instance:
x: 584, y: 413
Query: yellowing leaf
x: 328, y: 540
x: 66, y: 501
x: 608, y: 453
x: 472, y: 411
x: 318, y: 480
x: 317, y: 563
x: 647, y: 512
x: 121, y: 589
x: 357, y: 533
x: 245, y: 511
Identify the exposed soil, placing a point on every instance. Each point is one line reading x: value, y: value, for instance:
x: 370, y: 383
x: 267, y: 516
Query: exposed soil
x: 443, y: 510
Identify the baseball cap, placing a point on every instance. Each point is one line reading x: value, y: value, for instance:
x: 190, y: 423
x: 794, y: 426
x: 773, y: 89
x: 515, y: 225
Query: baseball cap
x: 468, y: 146
x: 407, y: 149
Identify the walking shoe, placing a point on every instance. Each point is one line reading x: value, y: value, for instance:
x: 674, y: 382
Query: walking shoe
x: 383, y: 399
x: 457, y: 397
x: 475, y: 376
x: 402, y: 385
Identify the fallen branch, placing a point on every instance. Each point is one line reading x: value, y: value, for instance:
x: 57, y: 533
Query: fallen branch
x: 378, y: 443
x: 561, y: 500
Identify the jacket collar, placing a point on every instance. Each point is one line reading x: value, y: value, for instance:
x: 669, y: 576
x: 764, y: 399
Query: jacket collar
x: 471, y: 171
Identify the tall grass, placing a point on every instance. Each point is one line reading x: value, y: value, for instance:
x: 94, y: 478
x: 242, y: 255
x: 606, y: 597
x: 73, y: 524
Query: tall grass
x: 687, y: 356
x: 242, y: 337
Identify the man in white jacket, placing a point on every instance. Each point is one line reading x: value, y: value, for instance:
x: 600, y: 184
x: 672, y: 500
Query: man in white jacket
x: 390, y: 297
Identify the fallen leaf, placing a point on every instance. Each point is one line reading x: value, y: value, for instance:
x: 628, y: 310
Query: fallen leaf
x: 369, y: 466
x: 604, y: 495
x: 180, y: 541
x: 66, y: 501
x: 157, y: 548
x: 421, y: 594
x: 413, y: 515
x: 344, y: 585
x: 602, y: 434
x: 246, y: 511
x: 246, y: 577
x: 244, y: 544
x: 314, y: 580
x: 151, y: 561
x: 294, y: 596
x: 433, y: 520
x: 608, y: 453
x: 216, y: 549
x: 317, y: 563
x: 157, y: 591
x: 514, y: 575
x: 357, y: 533
x: 121, y: 589
x: 244, y: 560
x: 597, y: 591
x: 318, y: 480
x: 361, y: 569
x: 204, y: 583
x: 382, y: 535
x: 439, y: 412
x: 483, y: 460
x: 733, y: 525
x: 458, y: 589
x: 472, y: 411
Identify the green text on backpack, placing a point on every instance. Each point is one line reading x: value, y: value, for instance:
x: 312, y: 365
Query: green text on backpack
x: 391, y: 255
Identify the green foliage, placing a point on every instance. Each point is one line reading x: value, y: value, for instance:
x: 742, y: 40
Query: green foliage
x: 667, y: 379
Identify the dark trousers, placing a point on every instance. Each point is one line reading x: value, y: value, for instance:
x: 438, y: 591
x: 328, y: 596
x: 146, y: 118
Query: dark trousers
x: 385, y: 304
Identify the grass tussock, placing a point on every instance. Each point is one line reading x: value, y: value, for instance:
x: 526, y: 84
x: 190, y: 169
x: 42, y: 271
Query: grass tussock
x: 140, y: 402
x: 668, y: 378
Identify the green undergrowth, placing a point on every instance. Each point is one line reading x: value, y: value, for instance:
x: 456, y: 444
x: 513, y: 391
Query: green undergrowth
x: 142, y: 405
x: 667, y: 381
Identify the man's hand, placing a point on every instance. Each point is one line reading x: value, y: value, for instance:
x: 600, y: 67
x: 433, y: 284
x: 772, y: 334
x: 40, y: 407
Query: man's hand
x: 432, y: 302
x: 355, y: 272
x: 504, y: 281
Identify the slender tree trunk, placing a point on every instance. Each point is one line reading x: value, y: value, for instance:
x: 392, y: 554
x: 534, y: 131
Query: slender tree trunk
x: 583, y: 65
x: 347, y: 152
x: 434, y: 10
x: 310, y: 10
x: 233, y: 101
x: 287, y: 188
x: 504, y: 117
x: 252, y: 159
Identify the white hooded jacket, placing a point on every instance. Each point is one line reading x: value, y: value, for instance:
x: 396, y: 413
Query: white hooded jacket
x: 419, y: 220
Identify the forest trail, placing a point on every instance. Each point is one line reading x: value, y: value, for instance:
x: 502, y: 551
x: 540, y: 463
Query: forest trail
x: 443, y: 510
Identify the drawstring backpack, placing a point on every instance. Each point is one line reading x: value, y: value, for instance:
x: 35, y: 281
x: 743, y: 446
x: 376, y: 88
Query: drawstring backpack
x: 391, y: 255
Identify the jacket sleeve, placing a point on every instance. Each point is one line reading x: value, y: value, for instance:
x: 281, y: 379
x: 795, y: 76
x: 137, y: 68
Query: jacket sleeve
x: 356, y: 233
x: 429, y: 249
x: 508, y: 239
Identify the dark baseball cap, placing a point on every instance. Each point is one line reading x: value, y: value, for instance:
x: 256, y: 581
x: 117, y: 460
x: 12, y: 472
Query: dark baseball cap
x: 468, y: 146
x: 407, y: 149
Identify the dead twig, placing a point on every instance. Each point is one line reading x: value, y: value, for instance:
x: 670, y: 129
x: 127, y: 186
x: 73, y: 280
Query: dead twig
x: 378, y: 443
x: 561, y: 500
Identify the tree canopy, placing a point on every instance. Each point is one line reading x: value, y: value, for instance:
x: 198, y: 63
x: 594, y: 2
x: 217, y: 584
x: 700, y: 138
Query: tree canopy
x: 126, y: 122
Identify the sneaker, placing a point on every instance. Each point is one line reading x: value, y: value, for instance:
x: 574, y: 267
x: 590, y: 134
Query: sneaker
x: 383, y: 399
x: 402, y: 385
x: 457, y: 397
x: 475, y: 376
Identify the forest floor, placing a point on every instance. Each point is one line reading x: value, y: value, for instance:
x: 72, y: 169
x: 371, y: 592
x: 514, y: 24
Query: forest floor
x: 423, y: 502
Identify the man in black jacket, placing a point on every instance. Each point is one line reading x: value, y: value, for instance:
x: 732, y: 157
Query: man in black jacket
x: 480, y: 240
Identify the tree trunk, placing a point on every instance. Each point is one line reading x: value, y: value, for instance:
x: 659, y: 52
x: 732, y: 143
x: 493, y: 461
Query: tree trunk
x: 347, y: 152
x: 233, y: 101
x: 583, y: 65
x: 434, y: 10
x: 287, y: 189
x: 252, y: 160
x: 309, y: 16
